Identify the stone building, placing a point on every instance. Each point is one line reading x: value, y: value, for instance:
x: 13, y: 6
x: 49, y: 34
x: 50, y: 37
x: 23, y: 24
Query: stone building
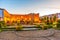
x: 21, y: 18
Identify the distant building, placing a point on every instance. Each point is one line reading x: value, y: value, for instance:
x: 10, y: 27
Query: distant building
x: 58, y: 14
x: 51, y: 17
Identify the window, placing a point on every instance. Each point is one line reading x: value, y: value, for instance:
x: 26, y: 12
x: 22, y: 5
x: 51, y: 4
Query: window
x: 1, y: 15
x: 59, y: 16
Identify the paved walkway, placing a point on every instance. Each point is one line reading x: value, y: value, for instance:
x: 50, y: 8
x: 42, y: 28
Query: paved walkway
x: 49, y: 34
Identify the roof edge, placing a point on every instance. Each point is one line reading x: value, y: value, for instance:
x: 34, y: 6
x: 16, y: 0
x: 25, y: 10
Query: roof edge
x: 1, y: 9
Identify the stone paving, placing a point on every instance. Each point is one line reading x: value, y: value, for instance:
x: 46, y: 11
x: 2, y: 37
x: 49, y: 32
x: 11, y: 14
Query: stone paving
x: 49, y: 34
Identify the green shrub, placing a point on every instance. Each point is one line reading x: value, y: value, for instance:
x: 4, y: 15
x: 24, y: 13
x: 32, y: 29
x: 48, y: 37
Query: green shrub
x: 19, y: 27
x: 45, y: 27
x: 3, y: 24
x: 0, y: 29
x: 54, y: 26
x: 58, y: 24
x: 38, y: 26
x: 50, y: 26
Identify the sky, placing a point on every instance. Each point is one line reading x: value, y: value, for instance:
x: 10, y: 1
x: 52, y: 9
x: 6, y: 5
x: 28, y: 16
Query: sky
x: 43, y: 7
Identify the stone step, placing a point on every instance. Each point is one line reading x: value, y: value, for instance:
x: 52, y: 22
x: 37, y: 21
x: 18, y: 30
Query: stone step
x: 24, y: 29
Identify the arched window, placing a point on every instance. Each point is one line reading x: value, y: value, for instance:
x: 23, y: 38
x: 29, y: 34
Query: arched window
x: 22, y: 22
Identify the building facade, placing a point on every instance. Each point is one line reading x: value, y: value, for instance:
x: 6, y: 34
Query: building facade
x: 21, y: 18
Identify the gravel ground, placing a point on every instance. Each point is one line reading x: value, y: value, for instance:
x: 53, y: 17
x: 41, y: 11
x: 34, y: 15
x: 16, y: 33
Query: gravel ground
x: 49, y: 34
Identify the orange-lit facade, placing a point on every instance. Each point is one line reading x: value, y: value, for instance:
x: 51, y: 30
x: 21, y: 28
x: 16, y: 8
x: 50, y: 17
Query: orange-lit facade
x: 11, y: 18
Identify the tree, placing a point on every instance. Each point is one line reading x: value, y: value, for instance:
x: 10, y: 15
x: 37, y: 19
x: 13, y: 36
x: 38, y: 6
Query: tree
x: 54, y: 18
x: 58, y: 24
x: 1, y: 25
x: 54, y: 22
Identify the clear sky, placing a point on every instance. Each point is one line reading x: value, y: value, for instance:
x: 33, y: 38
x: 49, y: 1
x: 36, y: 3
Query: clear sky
x: 44, y: 7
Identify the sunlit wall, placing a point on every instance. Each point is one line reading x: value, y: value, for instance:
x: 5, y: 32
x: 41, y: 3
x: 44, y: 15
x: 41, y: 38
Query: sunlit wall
x: 10, y: 18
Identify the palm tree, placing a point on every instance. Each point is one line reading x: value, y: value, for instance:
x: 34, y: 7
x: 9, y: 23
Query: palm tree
x: 58, y: 24
x: 54, y: 18
x: 54, y: 22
